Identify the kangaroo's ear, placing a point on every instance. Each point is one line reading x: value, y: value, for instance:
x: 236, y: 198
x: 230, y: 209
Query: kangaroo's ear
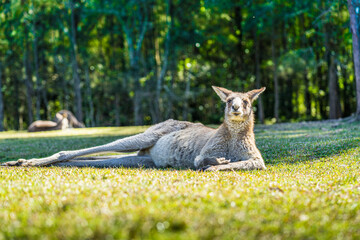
x: 59, y: 116
x: 254, y: 94
x: 222, y: 92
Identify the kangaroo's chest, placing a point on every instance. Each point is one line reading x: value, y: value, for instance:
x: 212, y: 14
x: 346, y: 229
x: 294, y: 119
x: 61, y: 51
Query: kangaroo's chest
x: 238, y: 149
x: 179, y: 149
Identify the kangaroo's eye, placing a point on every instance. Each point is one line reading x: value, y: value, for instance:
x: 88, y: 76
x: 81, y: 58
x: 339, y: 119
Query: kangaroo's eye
x: 245, y: 103
x: 229, y: 100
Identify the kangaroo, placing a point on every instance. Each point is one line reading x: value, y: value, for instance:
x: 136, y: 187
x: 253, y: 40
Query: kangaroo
x: 41, y: 125
x: 73, y: 122
x: 182, y: 144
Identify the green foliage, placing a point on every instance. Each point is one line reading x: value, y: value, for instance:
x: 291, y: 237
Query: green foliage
x: 204, y: 43
x: 309, y: 191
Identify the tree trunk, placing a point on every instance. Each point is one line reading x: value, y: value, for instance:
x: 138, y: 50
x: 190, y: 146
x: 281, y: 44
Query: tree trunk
x: 113, y: 66
x: 156, y: 103
x: 75, y: 68
x: 134, y: 69
x: 334, y: 100
x: 258, y: 76
x: 46, y: 103
x: 287, y: 92
x: 320, y: 81
x: 137, y: 108
x: 239, y: 46
x: 117, y: 109
x: 307, y: 94
x: 61, y: 71
x: 173, y: 65
x: 331, y: 72
x: 186, y: 100
x: 333, y: 94
x: 134, y: 48
x: 38, y: 80
x: 354, y: 25
x: 305, y: 44
x: 347, y: 92
x: 187, y: 94
x: 28, y: 83
x: 1, y: 103
x: 17, y: 103
x: 89, y: 96
x: 275, y: 73
x: 169, y: 111
x: 161, y: 66
x: 134, y: 72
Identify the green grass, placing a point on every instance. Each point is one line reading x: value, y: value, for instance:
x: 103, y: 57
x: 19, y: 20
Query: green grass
x: 311, y: 190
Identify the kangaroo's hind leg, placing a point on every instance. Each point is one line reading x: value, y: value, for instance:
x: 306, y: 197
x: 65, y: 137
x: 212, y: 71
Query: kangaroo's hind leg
x: 127, y: 161
x: 129, y: 144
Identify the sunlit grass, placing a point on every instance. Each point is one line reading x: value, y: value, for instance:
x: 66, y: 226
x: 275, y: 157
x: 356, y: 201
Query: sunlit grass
x: 311, y: 190
x: 92, y: 132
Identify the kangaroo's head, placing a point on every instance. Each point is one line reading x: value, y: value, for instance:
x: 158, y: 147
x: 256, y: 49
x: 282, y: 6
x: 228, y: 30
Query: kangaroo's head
x: 63, y: 122
x: 59, y: 117
x: 238, y: 104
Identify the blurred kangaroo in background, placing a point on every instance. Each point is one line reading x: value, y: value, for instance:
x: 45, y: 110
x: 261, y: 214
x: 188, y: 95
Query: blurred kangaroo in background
x: 40, y: 125
x: 73, y: 122
x: 183, y: 144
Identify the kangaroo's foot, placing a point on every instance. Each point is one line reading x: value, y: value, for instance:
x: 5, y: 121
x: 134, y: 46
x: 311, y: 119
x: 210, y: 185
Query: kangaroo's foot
x: 35, y: 162
x: 20, y: 162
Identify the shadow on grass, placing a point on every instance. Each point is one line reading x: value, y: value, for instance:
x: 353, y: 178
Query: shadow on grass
x: 314, y: 142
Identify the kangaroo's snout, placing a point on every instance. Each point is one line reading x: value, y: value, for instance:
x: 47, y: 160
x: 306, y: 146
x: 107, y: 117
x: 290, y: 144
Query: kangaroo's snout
x: 235, y: 107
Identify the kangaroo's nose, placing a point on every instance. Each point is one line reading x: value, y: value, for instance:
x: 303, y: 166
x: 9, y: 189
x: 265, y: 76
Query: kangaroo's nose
x: 235, y: 107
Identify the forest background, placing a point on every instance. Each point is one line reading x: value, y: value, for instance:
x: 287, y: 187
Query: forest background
x: 135, y: 62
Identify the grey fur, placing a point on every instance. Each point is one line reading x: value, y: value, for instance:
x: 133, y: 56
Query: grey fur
x: 181, y: 144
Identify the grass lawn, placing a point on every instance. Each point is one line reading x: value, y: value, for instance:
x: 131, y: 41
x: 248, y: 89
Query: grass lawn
x: 311, y: 190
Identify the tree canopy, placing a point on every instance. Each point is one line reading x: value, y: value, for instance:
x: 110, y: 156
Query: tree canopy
x: 143, y: 61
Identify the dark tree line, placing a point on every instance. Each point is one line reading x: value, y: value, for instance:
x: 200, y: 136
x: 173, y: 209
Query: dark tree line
x: 143, y: 61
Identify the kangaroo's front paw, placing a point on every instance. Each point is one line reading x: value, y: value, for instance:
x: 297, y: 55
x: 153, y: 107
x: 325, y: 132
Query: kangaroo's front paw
x: 20, y: 162
x: 203, y: 169
x: 210, y: 168
x: 222, y: 161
